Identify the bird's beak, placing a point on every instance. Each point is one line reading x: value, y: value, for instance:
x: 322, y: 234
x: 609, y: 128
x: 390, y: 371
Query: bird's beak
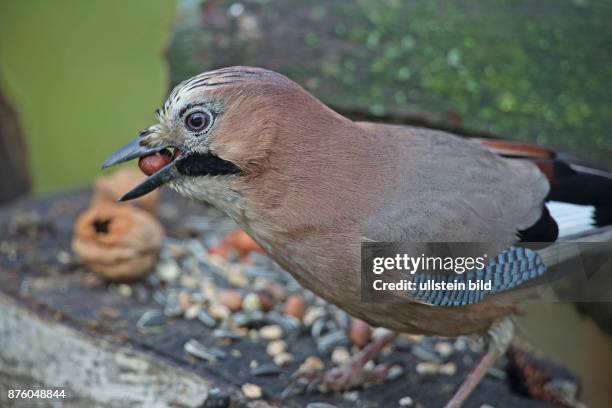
x: 135, y: 150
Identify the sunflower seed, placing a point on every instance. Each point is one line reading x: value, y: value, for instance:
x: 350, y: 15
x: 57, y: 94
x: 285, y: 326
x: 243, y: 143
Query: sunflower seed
x: 343, y: 319
x: 498, y: 374
x: 173, y: 306
x: 288, y: 323
x: 207, y: 319
x: 318, y: 328
x: 150, y: 321
x: 250, y: 320
x: 257, y: 272
x: 159, y: 297
x: 425, y: 354
x: 329, y: 341
x: 265, y: 370
x: 395, y: 372
x: 227, y: 334
x: 198, y: 297
x: 313, y: 314
x: 217, y: 399
x: 197, y: 349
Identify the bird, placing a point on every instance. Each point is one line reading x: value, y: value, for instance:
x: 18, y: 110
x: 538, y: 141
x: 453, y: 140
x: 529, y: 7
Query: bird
x: 310, y: 186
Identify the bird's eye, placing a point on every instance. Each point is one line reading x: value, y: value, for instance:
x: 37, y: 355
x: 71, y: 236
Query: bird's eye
x: 197, y: 121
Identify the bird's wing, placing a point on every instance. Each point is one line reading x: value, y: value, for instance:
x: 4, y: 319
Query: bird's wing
x: 441, y: 187
x: 453, y: 189
x: 513, y: 268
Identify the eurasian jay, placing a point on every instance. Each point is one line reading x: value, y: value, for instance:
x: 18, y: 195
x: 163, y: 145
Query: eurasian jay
x: 309, y: 185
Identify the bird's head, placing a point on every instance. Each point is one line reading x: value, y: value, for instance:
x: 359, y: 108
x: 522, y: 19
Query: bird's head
x: 248, y: 140
x: 216, y: 127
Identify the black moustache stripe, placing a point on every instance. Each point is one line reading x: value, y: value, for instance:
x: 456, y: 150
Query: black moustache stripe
x: 205, y: 164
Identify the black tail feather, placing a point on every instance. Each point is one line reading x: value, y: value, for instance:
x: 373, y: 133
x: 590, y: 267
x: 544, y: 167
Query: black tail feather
x: 575, y: 184
x: 603, y: 216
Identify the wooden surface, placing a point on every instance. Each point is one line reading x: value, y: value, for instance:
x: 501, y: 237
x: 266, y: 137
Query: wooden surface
x: 61, y: 327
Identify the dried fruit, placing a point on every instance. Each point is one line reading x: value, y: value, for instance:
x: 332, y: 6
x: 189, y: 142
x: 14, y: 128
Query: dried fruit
x: 444, y: 349
x: 251, y: 302
x: 232, y: 299
x: 221, y: 250
x: 448, y: 369
x: 271, y: 332
x: 436, y: 368
x: 219, y: 311
x: 313, y: 314
x: 295, y: 306
x: 242, y: 243
x: 277, y: 291
x: 119, y: 242
x: 340, y: 355
x: 360, y: 332
x: 265, y: 300
x: 276, y: 347
x: 236, y: 277
x: 251, y: 391
x: 192, y: 311
x: 283, y: 358
x: 312, y: 363
x: 153, y: 163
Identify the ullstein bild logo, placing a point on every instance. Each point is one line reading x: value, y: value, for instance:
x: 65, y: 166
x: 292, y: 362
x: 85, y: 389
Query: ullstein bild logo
x: 459, y: 274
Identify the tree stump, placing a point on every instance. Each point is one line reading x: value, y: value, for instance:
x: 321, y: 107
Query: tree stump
x: 534, y: 72
x: 15, y: 180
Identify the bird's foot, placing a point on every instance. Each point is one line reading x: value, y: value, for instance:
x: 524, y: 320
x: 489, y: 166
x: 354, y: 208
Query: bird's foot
x: 351, y: 375
x: 358, y: 371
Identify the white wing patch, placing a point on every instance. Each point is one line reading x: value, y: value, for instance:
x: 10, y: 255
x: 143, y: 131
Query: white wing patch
x: 571, y: 218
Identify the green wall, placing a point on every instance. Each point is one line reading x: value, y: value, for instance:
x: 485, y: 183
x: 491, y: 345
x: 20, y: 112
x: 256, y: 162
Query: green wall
x: 84, y: 76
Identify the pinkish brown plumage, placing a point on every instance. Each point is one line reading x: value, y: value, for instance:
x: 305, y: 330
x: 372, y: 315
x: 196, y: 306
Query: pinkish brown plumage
x: 309, y: 185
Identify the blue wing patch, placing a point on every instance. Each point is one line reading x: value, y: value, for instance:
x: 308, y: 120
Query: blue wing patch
x: 508, y: 270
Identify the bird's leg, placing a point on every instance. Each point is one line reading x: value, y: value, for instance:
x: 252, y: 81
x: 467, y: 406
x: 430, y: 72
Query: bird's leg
x: 499, y: 339
x: 352, y: 373
x: 348, y: 375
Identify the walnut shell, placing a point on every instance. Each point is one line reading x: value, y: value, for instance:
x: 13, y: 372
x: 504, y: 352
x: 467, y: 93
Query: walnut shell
x: 110, y: 188
x: 119, y: 242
